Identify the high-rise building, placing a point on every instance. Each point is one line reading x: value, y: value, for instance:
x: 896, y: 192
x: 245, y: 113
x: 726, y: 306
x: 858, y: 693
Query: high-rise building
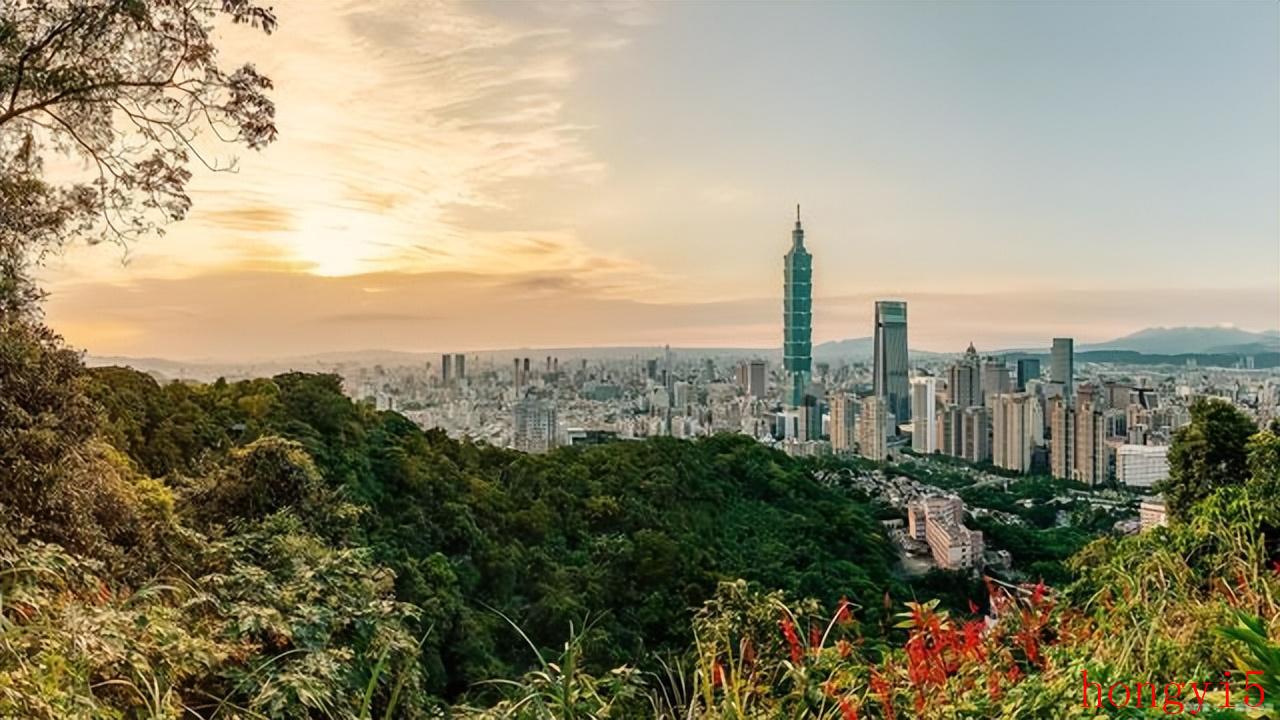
x: 844, y: 422
x: 1062, y: 433
x: 890, y: 358
x: 460, y: 366
x: 651, y: 369
x: 951, y: 430
x: 797, y: 316
x: 534, y: 425
x: 757, y: 375
x: 1015, y: 421
x: 871, y: 428
x: 1028, y: 369
x: 810, y: 411
x: 1090, y: 464
x: 924, y: 426
x: 995, y: 380
x: 976, y: 439
x: 445, y: 368
x: 1063, y: 367
x: 964, y: 380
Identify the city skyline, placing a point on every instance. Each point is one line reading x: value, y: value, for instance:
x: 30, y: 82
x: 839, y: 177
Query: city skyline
x: 497, y: 175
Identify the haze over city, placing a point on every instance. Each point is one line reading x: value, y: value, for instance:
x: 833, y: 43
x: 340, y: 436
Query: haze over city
x: 490, y: 175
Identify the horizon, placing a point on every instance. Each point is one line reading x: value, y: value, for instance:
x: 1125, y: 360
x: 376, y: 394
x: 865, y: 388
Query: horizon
x: 497, y: 175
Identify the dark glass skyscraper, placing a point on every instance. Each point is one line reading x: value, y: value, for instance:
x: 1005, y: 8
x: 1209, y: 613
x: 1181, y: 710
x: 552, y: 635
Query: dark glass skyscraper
x: 797, y: 316
x: 890, y: 360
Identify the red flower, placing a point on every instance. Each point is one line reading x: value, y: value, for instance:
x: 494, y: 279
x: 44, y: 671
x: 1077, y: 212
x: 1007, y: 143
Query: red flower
x: 717, y: 674
x: 848, y: 711
x: 843, y: 615
x: 815, y: 638
x: 846, y: 648
x: 793, y: 640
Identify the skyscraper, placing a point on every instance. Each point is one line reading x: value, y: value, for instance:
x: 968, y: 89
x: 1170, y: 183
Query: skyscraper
x: 1063, y: 367
x: 890, y: 359
x: 1028, y: 369
x: 445, y: 368
x: 924, y: 428
x: 460, y: 366
x: 797, y: 316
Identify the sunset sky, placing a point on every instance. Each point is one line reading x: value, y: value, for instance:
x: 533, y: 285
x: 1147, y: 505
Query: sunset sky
x: 458, y: 176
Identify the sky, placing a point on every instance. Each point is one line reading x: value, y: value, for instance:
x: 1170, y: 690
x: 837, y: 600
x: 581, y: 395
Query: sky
x: 466, y: 176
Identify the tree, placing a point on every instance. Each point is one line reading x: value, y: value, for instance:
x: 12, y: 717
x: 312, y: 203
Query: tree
x: 1207, y: 454
x: 128, y: 87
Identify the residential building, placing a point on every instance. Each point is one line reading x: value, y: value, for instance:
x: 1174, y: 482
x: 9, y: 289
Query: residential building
x: 844, y: 412
x: 1061, y: 438
x: 1014, y: 420
x: 872, y: 424
x: 924, y: 428
x: 1152, y: 513
x: 534, y: 425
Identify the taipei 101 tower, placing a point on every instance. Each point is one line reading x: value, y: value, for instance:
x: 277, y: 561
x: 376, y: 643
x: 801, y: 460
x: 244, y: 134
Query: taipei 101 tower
x: 797, y: 316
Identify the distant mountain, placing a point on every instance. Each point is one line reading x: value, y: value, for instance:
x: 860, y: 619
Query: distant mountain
x: 1182, y: 340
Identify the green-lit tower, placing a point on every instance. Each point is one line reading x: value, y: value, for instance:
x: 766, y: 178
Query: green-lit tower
x: 797, y: 316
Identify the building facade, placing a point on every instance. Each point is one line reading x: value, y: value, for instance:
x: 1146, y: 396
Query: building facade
x: 1142, y: 465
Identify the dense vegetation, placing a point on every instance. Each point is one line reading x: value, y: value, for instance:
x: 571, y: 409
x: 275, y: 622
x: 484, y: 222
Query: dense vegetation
x: 270, y: 548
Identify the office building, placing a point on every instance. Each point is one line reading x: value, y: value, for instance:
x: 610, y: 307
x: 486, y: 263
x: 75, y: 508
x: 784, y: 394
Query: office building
x: 964, y: 380
x: 889, y: 361
x: 534, y: 425
x: 446, y: 364
x: 1028, y: 369
x: 460, y: 367
x: 924, y: 426
x: 752, y: 375
x: 797, y: 309
x: 1142, y: 465
x: 872, y: 422
x: 995, y: 380
x: 1063, y: 365
x: 844, y: 423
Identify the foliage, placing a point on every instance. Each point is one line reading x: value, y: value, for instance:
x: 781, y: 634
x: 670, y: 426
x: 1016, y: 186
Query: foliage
x: 125, y: 86
x: 1207, y: 454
